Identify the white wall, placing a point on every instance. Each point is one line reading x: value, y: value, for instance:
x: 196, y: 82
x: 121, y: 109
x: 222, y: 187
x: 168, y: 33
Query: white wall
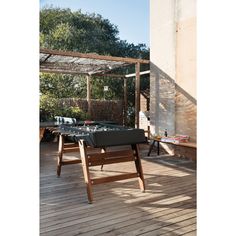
x: 173, y: 66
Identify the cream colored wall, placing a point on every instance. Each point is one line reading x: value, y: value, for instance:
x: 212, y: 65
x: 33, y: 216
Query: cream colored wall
x: 186, y: 45
x: 162, y: 32
x: 185, y: 105
x: 162, y: 57
x: 173, y: 66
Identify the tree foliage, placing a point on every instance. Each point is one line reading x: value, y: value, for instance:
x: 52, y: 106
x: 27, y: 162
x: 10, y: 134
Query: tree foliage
x: 63, y: 29
x: 62, y: 86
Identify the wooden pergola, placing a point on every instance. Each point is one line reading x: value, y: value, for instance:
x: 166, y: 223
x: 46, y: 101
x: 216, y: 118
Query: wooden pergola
x: 88, y: 64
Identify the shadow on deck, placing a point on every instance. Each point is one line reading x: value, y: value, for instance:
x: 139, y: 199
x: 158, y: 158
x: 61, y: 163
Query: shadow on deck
x: 168, y: 207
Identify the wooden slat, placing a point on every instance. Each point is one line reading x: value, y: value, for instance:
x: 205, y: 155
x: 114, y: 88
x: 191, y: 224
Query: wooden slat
x: 69, y: 162
x: 99, y: 162
x: 167, y: 208
x: 119, y: 76
x: 110, y: 154
x: 187, y: 144
x: 93, y: 56
x: 71, y: 149
x: 113, y: 178
x: 192, y: 145
x: 69, y: 145
x: 113, y: 76
x: 58, y: 71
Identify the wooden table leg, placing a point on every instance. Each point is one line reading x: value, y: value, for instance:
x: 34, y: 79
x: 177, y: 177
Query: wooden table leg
x: 41, y: 133
x: 103, y: 150
x: 158, y: 148
x: 60, y: 154
x: 84, y: 159
x: 151, y: 147
x: 139, y: 167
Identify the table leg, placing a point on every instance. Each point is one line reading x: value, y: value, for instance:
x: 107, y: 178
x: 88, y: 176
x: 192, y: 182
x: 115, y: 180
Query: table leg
x: 151, y: 147
x: 60, y: 154
x: 158, y: 148
x: 138, y: 166
x: 103, y: 150
x: 85, y: 166
x: 42, y: 130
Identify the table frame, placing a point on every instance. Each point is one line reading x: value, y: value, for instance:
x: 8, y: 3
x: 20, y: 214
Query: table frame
x: 88, y: 159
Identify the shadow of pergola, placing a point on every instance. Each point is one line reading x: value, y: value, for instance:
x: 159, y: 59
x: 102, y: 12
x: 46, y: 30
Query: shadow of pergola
x: 119, y: 207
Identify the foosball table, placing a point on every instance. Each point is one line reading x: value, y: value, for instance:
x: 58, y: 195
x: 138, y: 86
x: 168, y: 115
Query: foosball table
x: 101, y: 136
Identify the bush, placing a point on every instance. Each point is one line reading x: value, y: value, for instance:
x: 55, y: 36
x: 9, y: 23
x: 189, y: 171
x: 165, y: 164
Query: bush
x: 50, y: 107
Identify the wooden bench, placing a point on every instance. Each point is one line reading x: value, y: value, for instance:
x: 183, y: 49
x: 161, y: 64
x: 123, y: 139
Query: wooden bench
x: 158, y: 141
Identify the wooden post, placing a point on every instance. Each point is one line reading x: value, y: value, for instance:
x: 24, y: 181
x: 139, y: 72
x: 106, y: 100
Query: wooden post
x: 89, y: 94
x: 137, y: 94
x: 125, y: 102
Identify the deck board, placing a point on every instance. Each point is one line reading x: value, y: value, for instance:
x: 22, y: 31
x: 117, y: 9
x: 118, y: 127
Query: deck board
x: 168, y: 207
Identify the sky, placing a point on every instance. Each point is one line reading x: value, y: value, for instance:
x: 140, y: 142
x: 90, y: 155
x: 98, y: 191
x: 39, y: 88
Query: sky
x: 131, y: 16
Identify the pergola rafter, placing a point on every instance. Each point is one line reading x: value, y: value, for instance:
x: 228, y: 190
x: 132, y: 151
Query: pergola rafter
x: 89, y: 64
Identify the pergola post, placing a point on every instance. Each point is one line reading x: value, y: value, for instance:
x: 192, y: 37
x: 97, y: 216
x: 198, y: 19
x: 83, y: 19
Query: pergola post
x: 137, y: 94
x: 57, y: 61
x: 125, y: 102
x: 88, y: 77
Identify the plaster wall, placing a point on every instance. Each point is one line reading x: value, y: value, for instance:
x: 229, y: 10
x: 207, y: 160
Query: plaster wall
x: 186, y: 100
x: 162, y: 57
x: 173, y: 67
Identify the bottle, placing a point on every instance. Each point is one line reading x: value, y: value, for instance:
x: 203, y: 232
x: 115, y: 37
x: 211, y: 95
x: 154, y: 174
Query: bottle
x: 166, y: 134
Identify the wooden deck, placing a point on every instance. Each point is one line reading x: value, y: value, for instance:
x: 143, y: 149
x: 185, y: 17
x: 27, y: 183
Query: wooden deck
x: 168, y: 207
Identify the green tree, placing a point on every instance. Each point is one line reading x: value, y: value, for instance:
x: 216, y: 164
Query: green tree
x: 63, y: 86
x: 63, y: 29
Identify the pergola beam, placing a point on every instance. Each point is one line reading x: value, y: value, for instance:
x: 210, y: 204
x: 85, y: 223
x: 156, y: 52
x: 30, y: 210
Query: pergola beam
x: 109, y: 75
x: 58, y: 71
x: 57, y: 65
x: 123, y: 76
x: 93, y: 56
x: 119, y: 76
